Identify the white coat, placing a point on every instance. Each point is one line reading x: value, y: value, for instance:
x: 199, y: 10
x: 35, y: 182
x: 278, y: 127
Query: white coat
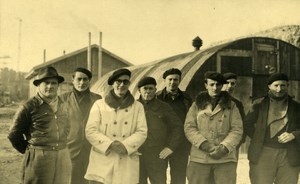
x: 105, y: 124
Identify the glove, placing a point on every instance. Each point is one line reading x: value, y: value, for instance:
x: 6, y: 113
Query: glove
x: 219, y: 152
x: 118, y: 147
x: 207, y: 147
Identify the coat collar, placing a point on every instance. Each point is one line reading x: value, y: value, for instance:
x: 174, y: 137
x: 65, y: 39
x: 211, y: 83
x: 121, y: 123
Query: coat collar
x: 203, y: 100
x: 119, y: 103
x: 166, y: 95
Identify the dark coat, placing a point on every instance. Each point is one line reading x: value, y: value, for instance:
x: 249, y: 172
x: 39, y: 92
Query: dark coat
x: 180, y: 105
x: 35, y: 124
x: 164, y: 126
x: 78, y: 118
x: 256, y: 128
x: 240, y: 106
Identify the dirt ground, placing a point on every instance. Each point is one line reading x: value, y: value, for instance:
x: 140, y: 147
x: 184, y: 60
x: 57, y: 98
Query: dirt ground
x: 11, y: 160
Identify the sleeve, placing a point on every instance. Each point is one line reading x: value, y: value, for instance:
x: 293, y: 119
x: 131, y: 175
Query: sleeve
x: 236, y: 129
x: 135, y: 140
x: 20, y: 129
x: 191, y: 128
x: 250, y: 120
x: 95, y: 130
x: 296, y: 132
x: 175, y: 125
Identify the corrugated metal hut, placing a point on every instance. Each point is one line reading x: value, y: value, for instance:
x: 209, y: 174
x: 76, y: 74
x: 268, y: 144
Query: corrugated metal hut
x: 252, y: 59
x: 66, y: 64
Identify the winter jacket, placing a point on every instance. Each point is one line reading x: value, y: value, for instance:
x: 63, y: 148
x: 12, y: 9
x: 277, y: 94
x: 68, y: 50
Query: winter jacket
x: 164, y: 126
x: 256, y: 128
x: 107, y: 124
x: 222, y: 125
x: 180, y: 104
x: 36, y: 125
x: 78, y: 119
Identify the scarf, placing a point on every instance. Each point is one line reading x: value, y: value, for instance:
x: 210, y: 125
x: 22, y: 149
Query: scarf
x: 277, y: 114
x: 119, y: 102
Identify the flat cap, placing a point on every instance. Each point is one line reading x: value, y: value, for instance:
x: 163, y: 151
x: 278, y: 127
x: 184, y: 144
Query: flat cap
x: 145, y: 81
x: 171, y: 72
x: 85, y: 71
x: 229, y: 75
x: 277, y: 77
x: 116, y: 74
x: 216, y: 76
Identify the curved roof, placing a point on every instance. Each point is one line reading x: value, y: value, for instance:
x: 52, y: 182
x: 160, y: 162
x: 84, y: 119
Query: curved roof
x: 188, y: 63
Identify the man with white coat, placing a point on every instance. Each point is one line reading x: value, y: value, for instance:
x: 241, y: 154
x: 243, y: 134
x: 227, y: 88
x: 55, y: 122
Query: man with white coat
x: 116, y: 128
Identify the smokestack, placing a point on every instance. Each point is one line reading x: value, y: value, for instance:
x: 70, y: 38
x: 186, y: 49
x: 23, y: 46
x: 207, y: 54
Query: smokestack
x: 197, y: 43
x: 100, y: 56
x: 89, y: 62
x: 44, y: 55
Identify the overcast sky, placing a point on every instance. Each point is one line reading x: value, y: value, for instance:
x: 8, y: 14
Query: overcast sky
x: 139, y: 31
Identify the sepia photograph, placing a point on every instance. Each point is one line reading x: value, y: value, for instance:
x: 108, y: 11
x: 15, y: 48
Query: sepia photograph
x: 149, y: 91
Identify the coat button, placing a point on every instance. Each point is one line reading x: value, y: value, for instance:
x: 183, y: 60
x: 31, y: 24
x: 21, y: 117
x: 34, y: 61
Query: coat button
x: 114, y: 135
x: 126, y: 123
x: 126, y: 110
x: 115, y: 122
x: 123, y: 136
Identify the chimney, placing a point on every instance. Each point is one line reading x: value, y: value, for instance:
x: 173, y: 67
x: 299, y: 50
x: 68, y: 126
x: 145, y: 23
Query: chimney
x: 197, y: 43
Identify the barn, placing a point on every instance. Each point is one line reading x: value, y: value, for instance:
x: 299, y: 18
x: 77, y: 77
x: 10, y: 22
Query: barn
x: 68, y: 62
x: 251, y: 58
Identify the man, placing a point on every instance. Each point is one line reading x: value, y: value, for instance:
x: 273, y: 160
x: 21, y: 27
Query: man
x: 274, y: 128
x: 79, y: 101
x: 116, y: 128
x: 180, y: 103
x: 214, y: 127
x: 165, y: 133
x: 230, y: 86
x: 40, y: 129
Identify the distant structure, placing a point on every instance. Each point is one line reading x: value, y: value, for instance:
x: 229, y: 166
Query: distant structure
x: 68, y: 62
x: 252, y: 59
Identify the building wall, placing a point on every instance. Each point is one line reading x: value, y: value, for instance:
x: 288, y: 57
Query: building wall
x: 66, y: 67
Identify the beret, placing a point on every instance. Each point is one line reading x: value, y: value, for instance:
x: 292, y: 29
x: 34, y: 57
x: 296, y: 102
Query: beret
x: 216, y: 76
x: 145, y: 81
x: 229, y: 75
x: 276, y: 77
x: 116, y: 74
x: 85, y: 71
x: 171, y: 72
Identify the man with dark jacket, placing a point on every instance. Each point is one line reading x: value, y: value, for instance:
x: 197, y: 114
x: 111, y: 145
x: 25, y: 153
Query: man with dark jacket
x: 230, y: 86
x: 180, y: 102
x: 165, y: 133
x: 214, y: 127
x: 40, y: 128
x: 79, y: 101
x: 274, y: 128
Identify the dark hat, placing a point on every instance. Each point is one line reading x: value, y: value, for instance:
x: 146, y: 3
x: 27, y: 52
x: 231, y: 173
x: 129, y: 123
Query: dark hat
x: 145, y: 81
x: 118, y: 73
x: 85, y: 71
x: 229, y: 75
x: 276, y: 77
x: 46, y: 73
x: 216, y: 76
x: 171, y: 72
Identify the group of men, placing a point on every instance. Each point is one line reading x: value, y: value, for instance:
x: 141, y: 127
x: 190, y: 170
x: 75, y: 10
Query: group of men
x: 80, y: 137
